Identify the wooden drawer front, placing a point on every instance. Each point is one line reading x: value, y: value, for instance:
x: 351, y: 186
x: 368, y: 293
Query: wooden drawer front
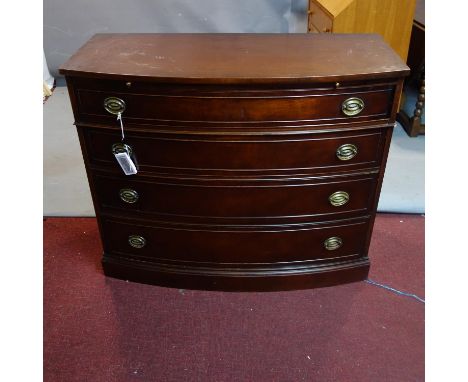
x: 234, y: 153
x: 270, y: 106
x: 319, y: 19
x: 237, y: 199
x: 267, y: 244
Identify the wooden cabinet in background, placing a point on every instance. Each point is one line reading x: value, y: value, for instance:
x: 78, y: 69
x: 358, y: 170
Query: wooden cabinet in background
x: 411, y: 116
x: 393, y: 19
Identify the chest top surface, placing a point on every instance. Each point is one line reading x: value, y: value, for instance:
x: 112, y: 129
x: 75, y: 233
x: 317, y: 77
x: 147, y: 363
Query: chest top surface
x: 236, y: 58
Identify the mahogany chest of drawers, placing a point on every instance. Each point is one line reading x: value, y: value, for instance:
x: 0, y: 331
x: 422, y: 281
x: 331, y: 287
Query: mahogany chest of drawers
x: 259, y: 158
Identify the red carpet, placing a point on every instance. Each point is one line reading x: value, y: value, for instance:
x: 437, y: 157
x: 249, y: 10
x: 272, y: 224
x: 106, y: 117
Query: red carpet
x: 100, y: 329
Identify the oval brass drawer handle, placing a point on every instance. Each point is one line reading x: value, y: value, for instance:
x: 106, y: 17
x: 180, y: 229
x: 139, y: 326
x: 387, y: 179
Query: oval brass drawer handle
x: 136, y: 241
x: 114, y: 105
x: 352, y: 106
x: 121, y: 148
x: 346, y: 152
x: 128, y: 195
x: 332, y: 243
x: 338, y: 198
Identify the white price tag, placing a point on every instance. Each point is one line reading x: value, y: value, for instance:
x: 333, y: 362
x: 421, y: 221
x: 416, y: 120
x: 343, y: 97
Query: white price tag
x: 124, y: 159
x: 126, y: 163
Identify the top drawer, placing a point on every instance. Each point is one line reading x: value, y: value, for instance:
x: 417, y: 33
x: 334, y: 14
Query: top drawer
x: 152, y: 104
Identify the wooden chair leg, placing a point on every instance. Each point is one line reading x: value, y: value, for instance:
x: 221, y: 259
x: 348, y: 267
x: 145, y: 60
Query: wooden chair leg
x: 413, y: 125
x: 416, y: 119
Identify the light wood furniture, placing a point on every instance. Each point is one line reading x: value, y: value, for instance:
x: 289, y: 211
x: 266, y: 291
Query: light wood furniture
x: 392, y: 19
x: 260, y: 157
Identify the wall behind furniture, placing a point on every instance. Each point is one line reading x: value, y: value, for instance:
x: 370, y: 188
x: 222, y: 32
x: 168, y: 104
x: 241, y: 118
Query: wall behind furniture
x: 69, y: 24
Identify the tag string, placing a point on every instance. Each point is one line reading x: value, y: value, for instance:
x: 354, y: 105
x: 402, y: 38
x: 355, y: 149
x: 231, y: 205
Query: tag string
x: 119, y: 118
